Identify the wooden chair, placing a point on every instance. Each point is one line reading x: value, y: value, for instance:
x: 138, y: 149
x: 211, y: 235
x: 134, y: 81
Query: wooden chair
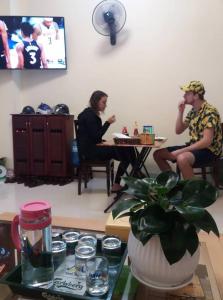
x: 206, y: 169
x: 218, y: 173
x: 86, y: 168
x: 211, y: 168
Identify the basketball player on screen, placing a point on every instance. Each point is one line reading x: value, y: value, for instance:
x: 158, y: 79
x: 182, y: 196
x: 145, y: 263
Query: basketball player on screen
x: 47, y: 32
x: 30, y: 52
x: 4, y: 48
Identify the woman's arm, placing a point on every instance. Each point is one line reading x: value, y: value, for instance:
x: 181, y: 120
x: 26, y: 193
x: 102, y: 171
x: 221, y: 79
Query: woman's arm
x: 94, y: 127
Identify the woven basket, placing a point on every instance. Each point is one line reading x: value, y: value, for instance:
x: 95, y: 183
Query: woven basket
x: 147, y: 138
x: 130, y: 141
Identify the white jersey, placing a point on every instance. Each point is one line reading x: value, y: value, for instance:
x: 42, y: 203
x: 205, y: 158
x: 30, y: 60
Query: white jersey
x: 48, y: 34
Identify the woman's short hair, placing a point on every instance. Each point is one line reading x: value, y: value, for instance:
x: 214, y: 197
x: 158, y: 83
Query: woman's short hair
x: 95, y: 98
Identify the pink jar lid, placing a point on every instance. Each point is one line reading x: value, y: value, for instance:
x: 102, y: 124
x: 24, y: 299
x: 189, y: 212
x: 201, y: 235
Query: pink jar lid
x: 35, y: 215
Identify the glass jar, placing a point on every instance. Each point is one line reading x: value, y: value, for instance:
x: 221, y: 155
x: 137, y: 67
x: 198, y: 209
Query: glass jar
x: 35, y: 243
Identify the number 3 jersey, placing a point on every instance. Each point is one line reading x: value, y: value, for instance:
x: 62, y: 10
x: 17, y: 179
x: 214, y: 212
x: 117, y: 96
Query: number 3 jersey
x: 32, y: 55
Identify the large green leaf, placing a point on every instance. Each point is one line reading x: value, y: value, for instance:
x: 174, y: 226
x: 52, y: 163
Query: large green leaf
x: 175, y: 216
x: 158, y: 190
x: 168, y: 179
x: 173, y: 243
x: 192, y: 241
x: 127, y: 214
x: 191, y: 213
x: 137, y: 187
x: 207, y: 223
x: 144, y: 237
x: 124, y: 205
x: 153, y: 220
x: 136, y: 184
x: 139, y: 194
x: 134, y: 220
x: 175, y: 198
x: 199, y: 193
x: 164, y: 202
x: 175, y: 194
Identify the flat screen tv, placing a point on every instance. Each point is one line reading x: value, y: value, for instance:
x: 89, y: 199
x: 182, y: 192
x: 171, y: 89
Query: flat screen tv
x: 28, y: 42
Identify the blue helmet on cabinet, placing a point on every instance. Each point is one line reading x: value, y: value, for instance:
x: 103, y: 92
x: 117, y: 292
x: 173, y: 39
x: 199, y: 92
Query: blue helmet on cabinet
x: 28, y: 110
x: 61, y: 109
x: 44, y: 109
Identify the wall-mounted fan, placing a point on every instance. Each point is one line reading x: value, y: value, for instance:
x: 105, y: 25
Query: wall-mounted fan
x: 108, y: 18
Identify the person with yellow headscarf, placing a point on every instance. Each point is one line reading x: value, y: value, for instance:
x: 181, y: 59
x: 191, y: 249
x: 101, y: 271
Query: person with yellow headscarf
x: 205, y: 133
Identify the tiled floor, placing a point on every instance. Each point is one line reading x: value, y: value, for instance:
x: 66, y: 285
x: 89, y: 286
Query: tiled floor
x: 66, y: 202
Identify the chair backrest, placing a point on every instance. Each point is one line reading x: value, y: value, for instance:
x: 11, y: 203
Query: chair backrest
x: 222, y: 138
x: 222, y: 131
x: 76, y: 130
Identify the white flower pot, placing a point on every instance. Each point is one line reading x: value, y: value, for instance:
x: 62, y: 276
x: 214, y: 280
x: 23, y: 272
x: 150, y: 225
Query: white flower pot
x: 150, y: 266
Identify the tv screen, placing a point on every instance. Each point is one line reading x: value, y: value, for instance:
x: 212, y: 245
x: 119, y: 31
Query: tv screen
x: 28, y: 42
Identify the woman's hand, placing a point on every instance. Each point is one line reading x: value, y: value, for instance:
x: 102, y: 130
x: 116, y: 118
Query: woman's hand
x: 111, y: 119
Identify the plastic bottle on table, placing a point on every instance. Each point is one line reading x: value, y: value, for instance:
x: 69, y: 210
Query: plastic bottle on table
x: 136, y: 132
x: 125, y: 131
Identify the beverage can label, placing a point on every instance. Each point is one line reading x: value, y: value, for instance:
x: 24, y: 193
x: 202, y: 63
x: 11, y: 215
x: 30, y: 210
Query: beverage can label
x: 148, y: 129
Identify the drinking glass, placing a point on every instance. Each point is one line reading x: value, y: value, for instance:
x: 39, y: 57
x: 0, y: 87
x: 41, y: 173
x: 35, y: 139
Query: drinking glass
x: 56, y: 235
x: 97, y: 276
x: 71, y: 239
x: 59, y: 253
x: 83, y: 252
x: 111, y: 249
x: 88, y: 237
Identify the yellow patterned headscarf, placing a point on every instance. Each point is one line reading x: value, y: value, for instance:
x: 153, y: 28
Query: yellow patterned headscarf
x: 194, y: 86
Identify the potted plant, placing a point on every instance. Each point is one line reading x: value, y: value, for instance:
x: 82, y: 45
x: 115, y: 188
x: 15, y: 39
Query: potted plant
x: 165, y: 215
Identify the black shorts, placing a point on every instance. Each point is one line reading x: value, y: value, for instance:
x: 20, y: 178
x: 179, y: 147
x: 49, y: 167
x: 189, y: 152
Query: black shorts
x: 202, y: 156
x: 3, y: 62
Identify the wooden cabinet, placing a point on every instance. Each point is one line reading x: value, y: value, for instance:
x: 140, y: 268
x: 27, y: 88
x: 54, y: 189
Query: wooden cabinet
x: 42, y: 145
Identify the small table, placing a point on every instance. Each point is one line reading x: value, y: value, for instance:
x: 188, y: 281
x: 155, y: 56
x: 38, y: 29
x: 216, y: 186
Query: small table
x: 141, y: 156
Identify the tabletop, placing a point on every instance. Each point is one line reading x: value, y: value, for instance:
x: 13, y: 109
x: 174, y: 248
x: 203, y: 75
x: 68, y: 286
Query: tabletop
x: 111, y: 143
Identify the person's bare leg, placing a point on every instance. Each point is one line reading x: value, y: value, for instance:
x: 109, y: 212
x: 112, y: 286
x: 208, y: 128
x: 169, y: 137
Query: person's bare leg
x: 185, y: 162
x: 161, y: 157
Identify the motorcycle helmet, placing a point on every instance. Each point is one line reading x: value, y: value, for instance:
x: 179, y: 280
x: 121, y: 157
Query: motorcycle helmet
x: 28, y: 110
x: 44, y: 109
x: 61, y: 109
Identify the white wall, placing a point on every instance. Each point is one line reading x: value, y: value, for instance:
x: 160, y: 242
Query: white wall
x: 164, y: 44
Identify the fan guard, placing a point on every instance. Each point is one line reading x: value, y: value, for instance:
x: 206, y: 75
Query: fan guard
x: 109, y: 18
